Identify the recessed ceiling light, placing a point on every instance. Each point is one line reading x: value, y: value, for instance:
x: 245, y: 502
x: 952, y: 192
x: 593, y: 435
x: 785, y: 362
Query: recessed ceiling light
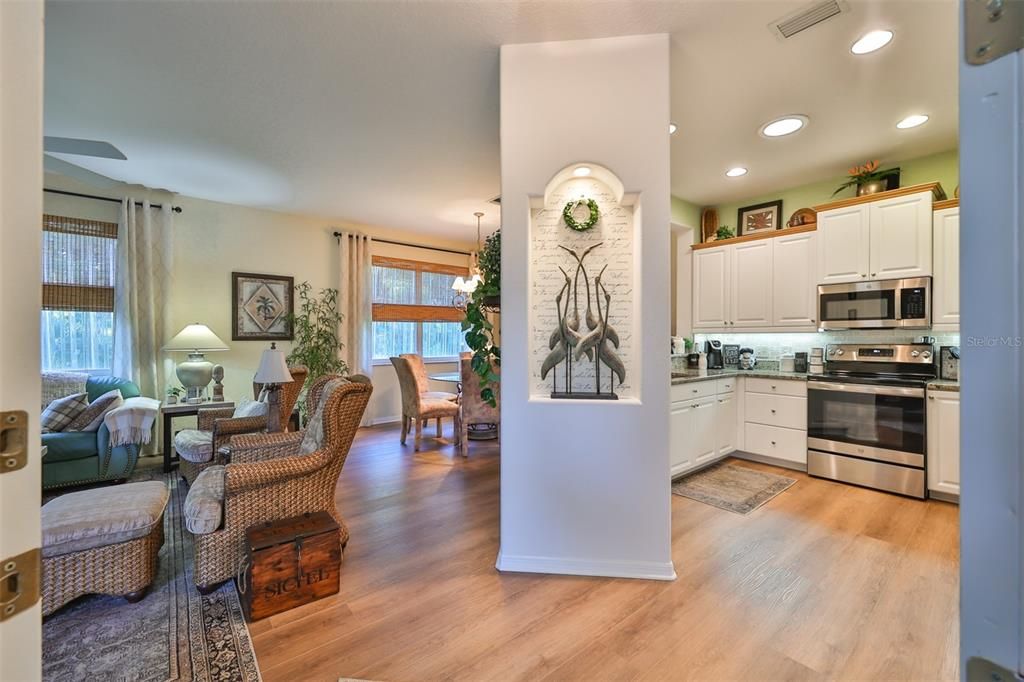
x: 871, y: 41
x: 581, y: 171
x: 736, y: 172
x: 912, y: 121
x: 671, y: 128
x: 784, y: 126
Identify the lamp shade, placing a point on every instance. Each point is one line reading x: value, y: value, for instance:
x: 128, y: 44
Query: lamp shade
x: 459, y: 284
x: 195, y: 338
x: 273, y: 368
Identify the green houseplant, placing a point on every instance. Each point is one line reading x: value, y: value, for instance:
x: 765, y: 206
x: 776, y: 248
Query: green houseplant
x: 316, y: 343
x: 724, y: 232
x: 479, y: 331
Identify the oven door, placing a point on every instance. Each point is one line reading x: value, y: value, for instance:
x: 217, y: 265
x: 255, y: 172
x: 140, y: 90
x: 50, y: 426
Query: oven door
x: 862, y: 305
x: 884, y: 423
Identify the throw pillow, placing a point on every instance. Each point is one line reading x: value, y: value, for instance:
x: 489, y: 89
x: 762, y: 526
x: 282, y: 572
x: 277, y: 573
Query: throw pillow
x: 59, y: 414
x: 250, y: 408
x: 313, y: 439
x: 92, y: 417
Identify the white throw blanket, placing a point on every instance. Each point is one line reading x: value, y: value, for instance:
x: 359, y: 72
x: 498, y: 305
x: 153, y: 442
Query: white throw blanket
x: 132, y: 422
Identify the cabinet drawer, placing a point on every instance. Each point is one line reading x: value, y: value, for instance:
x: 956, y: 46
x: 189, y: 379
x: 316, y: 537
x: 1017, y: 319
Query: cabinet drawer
x: 776, y: 386
x: 727, y: 385
x: 775, y: 441
x: 776, y: 410
x: 693, y: 389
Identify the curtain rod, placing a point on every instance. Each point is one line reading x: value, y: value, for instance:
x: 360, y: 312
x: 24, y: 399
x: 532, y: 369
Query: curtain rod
x: 337, y: 235
x: 176, y: 209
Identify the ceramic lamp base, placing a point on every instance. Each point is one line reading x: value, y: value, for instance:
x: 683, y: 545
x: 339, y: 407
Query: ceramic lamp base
x: 195, y: 375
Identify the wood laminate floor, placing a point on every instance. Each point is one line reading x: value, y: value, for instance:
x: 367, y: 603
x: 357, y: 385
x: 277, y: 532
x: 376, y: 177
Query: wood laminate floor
x: 826, y: 581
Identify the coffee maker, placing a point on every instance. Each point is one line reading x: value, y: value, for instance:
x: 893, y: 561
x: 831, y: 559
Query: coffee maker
x: 714, y: 351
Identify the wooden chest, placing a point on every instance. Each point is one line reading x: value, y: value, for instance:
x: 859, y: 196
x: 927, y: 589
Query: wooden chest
x: 290, y: 562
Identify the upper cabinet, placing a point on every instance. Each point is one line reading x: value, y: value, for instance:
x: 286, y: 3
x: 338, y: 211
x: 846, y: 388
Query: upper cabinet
x: 751, y: 289
x: 794, y: 284
x: 888, y: 238
x: 712, y: 271
x: 946, y: 268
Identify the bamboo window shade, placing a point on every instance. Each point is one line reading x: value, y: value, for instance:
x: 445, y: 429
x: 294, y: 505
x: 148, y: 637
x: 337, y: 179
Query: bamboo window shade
x: 79, y: 259
x: 414, y: 291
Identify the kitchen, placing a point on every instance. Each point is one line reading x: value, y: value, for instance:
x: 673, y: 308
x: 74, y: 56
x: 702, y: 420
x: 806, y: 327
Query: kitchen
x: 829, y: 347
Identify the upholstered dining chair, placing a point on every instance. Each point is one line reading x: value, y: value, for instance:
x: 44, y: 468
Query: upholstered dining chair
x: 274, y: 476
x: 420, y: 406
x: 289, y: 393
x: 474, y: 409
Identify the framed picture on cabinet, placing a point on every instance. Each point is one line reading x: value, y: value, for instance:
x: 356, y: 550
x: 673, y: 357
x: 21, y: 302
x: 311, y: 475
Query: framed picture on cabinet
x: 760, y: 218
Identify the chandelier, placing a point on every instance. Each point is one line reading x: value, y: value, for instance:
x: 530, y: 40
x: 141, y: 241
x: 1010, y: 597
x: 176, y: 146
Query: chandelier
x: 464, y: 287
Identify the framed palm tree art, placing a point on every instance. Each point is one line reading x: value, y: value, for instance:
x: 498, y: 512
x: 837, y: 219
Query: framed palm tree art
x: 261, y: 306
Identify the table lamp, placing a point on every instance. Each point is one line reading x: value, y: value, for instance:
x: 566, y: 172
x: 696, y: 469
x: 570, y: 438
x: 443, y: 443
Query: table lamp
x: 272, y: 373
x: 195, y: 373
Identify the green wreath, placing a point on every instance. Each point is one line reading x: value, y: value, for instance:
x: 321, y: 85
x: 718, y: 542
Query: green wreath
x: 570, y: 221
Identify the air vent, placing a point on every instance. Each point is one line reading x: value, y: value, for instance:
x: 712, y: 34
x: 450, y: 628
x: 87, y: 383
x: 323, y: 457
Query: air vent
x: 803, y: 19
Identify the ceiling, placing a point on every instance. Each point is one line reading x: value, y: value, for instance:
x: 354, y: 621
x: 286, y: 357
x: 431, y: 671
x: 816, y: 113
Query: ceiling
x: 386, y: 113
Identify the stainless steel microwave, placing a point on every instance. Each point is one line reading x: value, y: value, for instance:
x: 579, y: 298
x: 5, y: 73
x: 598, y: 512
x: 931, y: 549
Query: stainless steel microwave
x: 884, y: 304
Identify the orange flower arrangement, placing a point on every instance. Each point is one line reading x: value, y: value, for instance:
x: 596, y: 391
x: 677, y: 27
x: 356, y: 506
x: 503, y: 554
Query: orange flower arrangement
x: 869, y: 172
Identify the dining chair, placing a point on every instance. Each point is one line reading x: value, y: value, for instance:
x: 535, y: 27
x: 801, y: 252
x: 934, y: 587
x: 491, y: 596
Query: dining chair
x: 473, y: 408
x: 419, y: 406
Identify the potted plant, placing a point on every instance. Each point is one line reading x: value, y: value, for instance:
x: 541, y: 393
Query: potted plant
x: 173, y: 393
x: 724, y: 232
x: 316, y: 343
x: 869, y: 180
x: 479, y: 331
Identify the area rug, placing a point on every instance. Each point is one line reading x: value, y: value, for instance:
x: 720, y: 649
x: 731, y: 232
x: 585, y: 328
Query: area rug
x: 173, y: 634
x: 733, y: 488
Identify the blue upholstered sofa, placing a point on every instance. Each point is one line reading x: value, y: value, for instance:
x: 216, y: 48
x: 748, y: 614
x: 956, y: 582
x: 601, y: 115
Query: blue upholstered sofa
x: 77, y: 458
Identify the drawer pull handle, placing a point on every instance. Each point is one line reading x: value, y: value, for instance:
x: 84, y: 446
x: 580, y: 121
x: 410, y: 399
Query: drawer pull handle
x: 773, y: 411
x: 694, y: 390
x: 773, y: 442
x: 773, y: 387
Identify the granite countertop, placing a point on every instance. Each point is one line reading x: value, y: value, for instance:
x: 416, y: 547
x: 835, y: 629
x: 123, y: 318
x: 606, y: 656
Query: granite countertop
x: 691, y: 375
x: 944, y: 385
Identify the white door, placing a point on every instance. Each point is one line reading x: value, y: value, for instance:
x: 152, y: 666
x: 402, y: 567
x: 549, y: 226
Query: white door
x: 944, y: 441
x: 705, y: 437
x: 21, y: 209
x: 726, y: 420
x: 795, y: 281
x: 901, y: 236
x: 711, y: 273
x: 946, y: 269
x: 843, y: 252
x: 681, y: 438
x: 751, y: 287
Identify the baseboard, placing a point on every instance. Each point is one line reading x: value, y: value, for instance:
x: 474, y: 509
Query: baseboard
x: 765, y: 459
x: 945, y: 497
x: 641, y: 570
x: 386, y: 420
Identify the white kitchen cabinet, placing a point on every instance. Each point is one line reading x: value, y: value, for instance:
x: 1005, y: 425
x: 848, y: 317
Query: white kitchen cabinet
x: 901, y: 236
x: 843, y: 245
x: 944, y: 442
x: 946, y: 269
x: 795, y: 281
x: 712, y: 272
x: 680, y: 430
x: 751, y: 286
x: 726, y: 423
x: 705, y: 436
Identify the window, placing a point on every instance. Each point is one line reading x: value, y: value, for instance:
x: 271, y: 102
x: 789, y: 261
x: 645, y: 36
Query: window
x: 77, y: 325
x: 412, y: 309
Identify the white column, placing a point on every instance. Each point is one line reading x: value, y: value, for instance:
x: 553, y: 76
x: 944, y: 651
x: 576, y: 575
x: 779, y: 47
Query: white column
x: 584, y: 483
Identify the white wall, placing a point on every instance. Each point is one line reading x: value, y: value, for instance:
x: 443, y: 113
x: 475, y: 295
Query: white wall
x: 212, y: 240
x: 585, y: 484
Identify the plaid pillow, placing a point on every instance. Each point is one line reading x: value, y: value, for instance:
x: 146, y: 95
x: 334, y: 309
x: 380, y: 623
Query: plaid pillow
x: 92, y: 417
x: 59, y: 414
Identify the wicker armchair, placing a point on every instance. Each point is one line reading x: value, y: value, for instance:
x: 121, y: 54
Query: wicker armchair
x: 419, y: 406
x: 289, y: 393
x: 473, y: 409
x: 220, y: 424
x: 275, y: 480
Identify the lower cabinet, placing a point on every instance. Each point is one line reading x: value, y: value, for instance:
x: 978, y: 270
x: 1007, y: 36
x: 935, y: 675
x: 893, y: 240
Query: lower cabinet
x: 702, y: 423
x: 944, y: 442
x: 775, y: 420
x: 726, y: 422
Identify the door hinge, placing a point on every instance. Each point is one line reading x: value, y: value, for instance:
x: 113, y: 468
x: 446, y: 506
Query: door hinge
x: 992, y: 29
x: 19, y: 583
x: 13, y: 440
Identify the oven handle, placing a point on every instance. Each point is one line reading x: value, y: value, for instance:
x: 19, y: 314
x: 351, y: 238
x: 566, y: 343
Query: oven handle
x: 864, y: 388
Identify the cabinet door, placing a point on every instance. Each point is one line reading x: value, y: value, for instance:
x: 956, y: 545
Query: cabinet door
x: 946, y: 269
x: 726, y: 423
x: 681, y: 438
x: 751, y: 288
x: 944, y: 441
x: 843, y: 251
x: 795, y: 281
x: 711, y: 273
x: 705, y: 437
x: 901, y: 237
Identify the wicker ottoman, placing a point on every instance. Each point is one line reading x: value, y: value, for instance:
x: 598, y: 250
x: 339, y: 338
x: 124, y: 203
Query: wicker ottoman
x: 102, y: 541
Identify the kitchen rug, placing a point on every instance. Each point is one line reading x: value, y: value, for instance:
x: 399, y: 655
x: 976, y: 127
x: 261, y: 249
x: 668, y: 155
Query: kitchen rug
x: 731, y: 487
x: 174, y: 633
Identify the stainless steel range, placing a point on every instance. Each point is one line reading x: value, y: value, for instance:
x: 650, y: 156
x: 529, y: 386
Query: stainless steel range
x: 866, y: 416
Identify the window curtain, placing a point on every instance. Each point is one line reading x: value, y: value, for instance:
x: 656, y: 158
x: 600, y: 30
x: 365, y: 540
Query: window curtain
x: 355, y: 301
x: 141, y: 300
